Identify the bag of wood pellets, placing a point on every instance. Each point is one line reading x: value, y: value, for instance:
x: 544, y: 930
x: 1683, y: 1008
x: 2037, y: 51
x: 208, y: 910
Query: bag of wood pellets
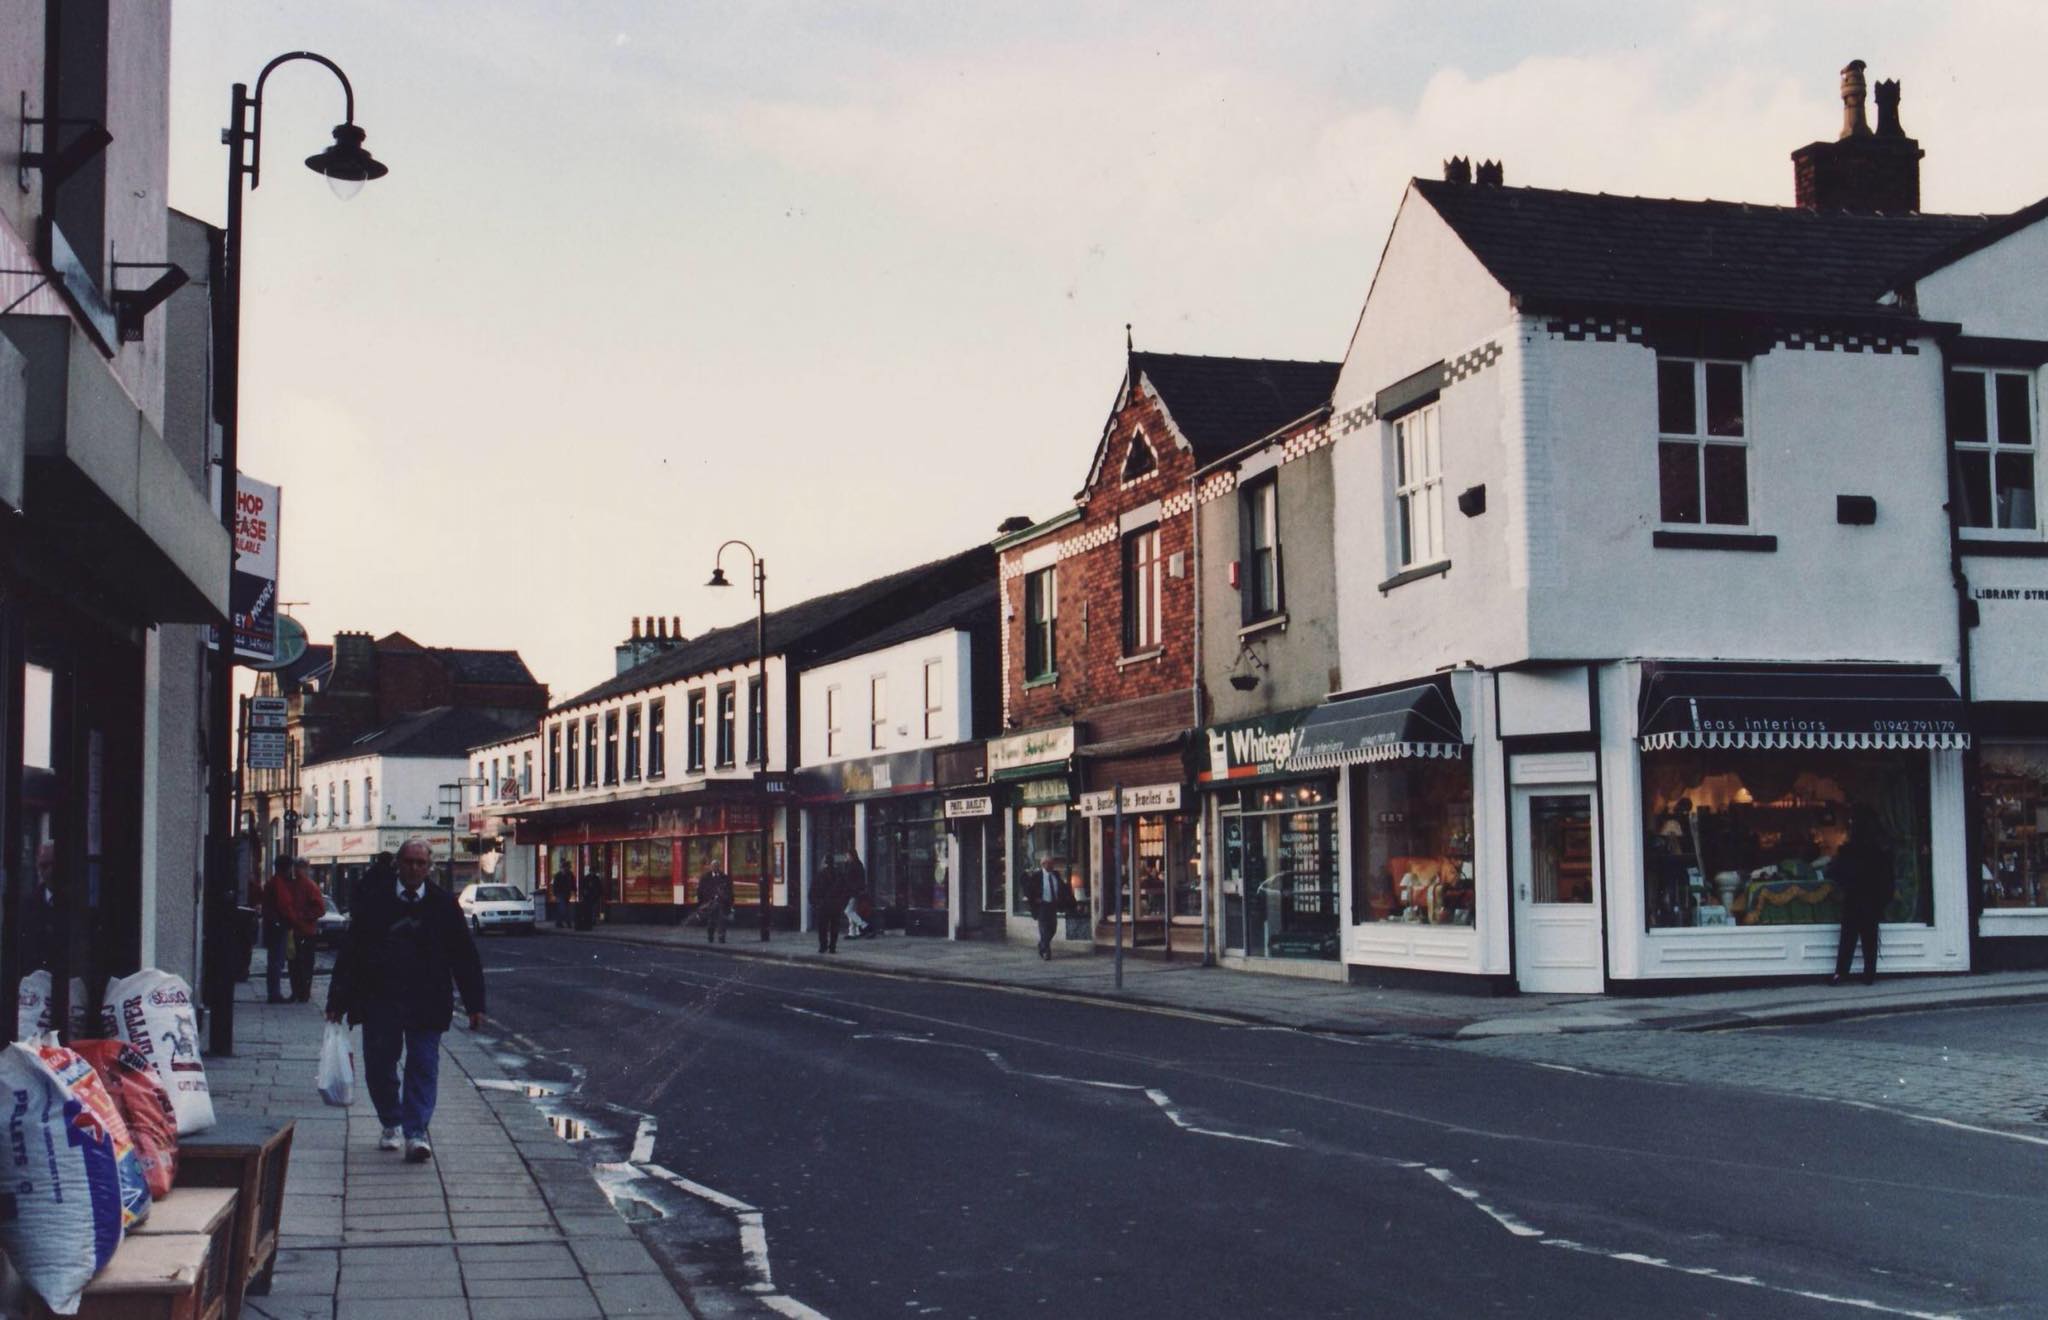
x: 62, y: 1179
x: 144, y: 1104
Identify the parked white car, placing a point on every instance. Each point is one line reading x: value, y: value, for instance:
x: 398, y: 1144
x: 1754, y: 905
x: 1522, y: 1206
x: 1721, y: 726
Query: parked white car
x: 496, y: 907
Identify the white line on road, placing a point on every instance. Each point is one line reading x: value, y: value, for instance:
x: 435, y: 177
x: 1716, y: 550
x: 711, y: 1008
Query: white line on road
x: 700, y: 1191
x: 812, y: 1012
x: 1948, y: 1123
x: 1165, y: 1103
x: 1501, y: 1217
x: 753, y: 1242
x: 1747, y: 1281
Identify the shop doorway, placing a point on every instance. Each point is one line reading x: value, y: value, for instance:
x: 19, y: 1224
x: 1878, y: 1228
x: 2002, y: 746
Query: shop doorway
x: 1557, y: 890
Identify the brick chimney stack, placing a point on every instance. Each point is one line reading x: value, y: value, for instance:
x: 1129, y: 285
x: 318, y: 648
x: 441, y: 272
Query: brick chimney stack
x: 1861, y: 170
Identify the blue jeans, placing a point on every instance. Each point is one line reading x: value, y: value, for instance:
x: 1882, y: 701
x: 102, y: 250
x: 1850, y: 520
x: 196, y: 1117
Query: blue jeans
x: 413, y: 1109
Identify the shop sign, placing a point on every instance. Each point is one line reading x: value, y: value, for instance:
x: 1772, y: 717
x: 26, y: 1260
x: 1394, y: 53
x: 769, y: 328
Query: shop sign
x: 1044, y: 792
x: 1248, y: 748
x: 1055, y: 814
x: 252, y: 586
x: 267, y: 749
x: 1036, y: 748
x: 1137, y: 801
x: 970, y: 806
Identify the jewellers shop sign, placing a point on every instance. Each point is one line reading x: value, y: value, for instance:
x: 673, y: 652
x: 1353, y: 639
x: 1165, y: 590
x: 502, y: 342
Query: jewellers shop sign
x: 1136, y: 801
x: 1250, y: 749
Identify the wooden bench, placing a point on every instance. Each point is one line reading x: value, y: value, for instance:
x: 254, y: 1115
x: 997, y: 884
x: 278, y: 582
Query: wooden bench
x: 209, y: 1212
x: 249, y: 1156
x: 159, y: 1276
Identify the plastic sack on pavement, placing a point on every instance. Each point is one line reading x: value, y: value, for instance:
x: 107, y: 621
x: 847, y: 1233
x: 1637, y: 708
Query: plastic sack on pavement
x: 152, y: 1010
x: 140, y: 1095
x: 62, y: 1180
x: 77, y: 1073
x: 337, y: 1078
x: 33, y: 1009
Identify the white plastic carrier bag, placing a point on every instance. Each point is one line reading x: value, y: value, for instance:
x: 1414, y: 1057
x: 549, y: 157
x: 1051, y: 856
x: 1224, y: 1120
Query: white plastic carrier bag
x: 337, y: 1077
x: 62, y: 1177
x: 152, y: 1010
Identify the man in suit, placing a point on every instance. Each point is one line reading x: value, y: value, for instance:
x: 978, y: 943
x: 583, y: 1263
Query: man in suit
x: 714, y: 895
x: 407, y: 945
x: 1049, y: 897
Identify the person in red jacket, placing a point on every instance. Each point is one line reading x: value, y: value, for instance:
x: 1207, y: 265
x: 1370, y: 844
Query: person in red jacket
x: 301, y: 907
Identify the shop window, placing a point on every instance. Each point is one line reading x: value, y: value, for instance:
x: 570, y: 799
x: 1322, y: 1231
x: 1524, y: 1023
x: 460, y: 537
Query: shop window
x: 554, y: 782
x: 1041, y: 614
x: 648, y: 874
x: 834, y: 711
x: 2013, y: 800
x: 906, y: 859
x: 632, y: 766
x: 1258, y: 521
x: 657, y: 738
x: 1702, y: 443
x: 1418, y: 488
x: 728, y: 714
x: 1141, y: 590
x: 878, y: 711
x: 696, y: 730
x: 1746, y: 837
x: 1413, y: 831
x: 1279, y: 871
x: 1991, y: 430
x: 1157, y: 874
x: 934, y: 697
x: 1046, y: 831
x: 757, y: 719
x: 590, y: 752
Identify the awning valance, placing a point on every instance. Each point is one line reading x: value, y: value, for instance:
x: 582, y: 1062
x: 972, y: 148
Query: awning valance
x: 1774, y: 706
x: 1420, y: 721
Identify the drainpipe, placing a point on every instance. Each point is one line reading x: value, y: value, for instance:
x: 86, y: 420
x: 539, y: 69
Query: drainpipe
x: 1966, y: 619
x: 1202, y: 840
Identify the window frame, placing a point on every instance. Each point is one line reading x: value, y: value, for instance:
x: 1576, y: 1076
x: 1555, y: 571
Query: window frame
x: 878, y: 711
x: 1418, y: 486
x: 725, y: 748
x: 1139, y: 577
x: 1041, y: 616
x: 934, y: 696
x: 834, y: 709
x: 629, y: 772
x: 611, y: 747
x: 698, y: 739
x: 757, y: 721
x: 554, y: 770
x: 590, y: 752
x: 1993, y: 448
x: 1701, y: 440
x: 657, y: 738
x: 1261, y: 492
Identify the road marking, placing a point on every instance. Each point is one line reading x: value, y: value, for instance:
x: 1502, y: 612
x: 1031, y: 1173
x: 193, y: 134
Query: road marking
x: 1747, y: 1281
x: 753, y: 1242
x: 1165, y: 1103
x: 812, y: 1012
x: 1507, y: 1221
x: 1947, y: 1123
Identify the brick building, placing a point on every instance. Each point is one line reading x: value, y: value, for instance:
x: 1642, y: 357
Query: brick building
x: 1099, y: 665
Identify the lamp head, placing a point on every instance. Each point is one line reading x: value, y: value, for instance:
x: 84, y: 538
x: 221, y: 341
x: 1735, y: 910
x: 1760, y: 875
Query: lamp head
x: 718, y: 578
x: 346, y: 164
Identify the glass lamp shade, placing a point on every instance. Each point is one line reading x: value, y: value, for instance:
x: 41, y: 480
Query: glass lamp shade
x: 346, y: 165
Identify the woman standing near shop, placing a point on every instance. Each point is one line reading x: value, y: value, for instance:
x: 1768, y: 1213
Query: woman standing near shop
x: 1862, y: 874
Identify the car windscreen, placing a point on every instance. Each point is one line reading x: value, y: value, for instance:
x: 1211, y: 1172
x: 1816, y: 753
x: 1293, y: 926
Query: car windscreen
x: 498, y: 894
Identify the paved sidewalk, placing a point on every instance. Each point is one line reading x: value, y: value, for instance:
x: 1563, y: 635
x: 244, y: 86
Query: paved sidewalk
x: 506, y: 1222
x: 1270, y: 999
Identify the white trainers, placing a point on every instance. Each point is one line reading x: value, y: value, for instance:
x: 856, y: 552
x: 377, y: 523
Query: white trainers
x: 389, y: 1141
x: 417, y: 1151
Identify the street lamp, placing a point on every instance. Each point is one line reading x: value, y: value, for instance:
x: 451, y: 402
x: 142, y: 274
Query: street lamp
x: 347, y: 166
x: 766, y: 882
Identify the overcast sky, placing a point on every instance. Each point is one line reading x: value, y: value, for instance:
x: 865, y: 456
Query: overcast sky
x: 849, y: 281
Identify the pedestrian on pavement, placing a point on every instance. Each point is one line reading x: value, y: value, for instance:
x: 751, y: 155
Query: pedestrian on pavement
x: 714, y: 895
x: 406, y: 946
x: 853, y: 878
x: 827, y: 899
x: 300, y: 904
x: 1049, y: 898
x: 1862, y: 873
x: 564, y: 892
x: 589, y: 897
x: 276, y: 930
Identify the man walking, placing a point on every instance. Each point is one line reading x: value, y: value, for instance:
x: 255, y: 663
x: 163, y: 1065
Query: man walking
x: 714, y: 893
x: 1049, y: 897
x: 406, y: 946
x: 564, y: 892
x: 828, y: 896
x: 1862, y: 873
x: 300, y: 904
x: 276, y: 929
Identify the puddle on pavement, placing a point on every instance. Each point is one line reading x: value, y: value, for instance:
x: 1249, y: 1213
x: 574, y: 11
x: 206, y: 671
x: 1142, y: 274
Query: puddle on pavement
x: 569, y: 1128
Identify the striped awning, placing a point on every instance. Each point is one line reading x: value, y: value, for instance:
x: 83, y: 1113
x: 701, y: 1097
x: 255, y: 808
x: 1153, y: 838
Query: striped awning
x: 1413, y: 722
x: 1783, y: 707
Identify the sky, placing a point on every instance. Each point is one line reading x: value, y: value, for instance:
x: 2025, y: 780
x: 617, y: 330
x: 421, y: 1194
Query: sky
x: 850, y: 281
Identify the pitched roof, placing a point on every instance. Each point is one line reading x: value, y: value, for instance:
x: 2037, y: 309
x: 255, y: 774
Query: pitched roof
x: 806, y: 629
x: 483, y: 666
x: 1557, y: 250
x: 976, y: 605
x: 440, y: 731
x: 1222, y: 404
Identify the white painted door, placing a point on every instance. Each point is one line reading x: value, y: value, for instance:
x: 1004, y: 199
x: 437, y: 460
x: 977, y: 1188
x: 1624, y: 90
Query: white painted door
x: 1557, y: 890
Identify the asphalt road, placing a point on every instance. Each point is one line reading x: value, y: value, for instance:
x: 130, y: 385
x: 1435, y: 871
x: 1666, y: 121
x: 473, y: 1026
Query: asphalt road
x: 921, y: 1149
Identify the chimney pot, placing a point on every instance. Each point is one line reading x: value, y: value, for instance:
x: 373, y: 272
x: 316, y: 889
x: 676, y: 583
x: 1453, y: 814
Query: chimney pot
x: 636, y: 629
x: 1888, y: 109
x: 677, y: 627
x: 1853, y: 123
x: 1489, y: 174
x: 1458, y: 169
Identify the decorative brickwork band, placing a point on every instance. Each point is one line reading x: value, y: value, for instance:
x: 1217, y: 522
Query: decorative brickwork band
x: 1598, y: 331
x: 1470, y: 364
x: 1830, y: 342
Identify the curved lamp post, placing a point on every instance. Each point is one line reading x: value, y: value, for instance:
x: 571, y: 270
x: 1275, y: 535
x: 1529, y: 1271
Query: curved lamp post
x: 766, y: 881
x: 346, y: 166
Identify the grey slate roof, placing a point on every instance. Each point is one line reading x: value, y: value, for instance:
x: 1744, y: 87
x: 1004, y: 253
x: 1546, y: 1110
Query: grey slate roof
x: 809, y: 628
x: 440, y: 731
x: 1559, y: 250
x: 484, y: 666
x: 1222, y: 404
x: 974, y: 606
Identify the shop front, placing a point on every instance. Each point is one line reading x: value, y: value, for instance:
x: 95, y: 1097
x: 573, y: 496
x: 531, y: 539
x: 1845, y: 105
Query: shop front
x: 1147, y: 834
x: 2010, y: 816
x: 1031, y: 781
x: 975, y: 830
x: 1407, y: 789
x: 885, y: 810
x: 1750, y: 780
x: 1277, y: 868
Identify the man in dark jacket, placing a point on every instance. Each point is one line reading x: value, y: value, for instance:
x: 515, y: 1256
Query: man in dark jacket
x: 714, y: 895
x: 1049, y: 897
x: 1862, y: 874
x: 564, y: 893
x: 828, y: 897
x: 406, y: 945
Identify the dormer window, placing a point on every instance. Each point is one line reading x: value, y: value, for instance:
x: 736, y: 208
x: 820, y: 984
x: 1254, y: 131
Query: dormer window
x: 1139, y: 460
